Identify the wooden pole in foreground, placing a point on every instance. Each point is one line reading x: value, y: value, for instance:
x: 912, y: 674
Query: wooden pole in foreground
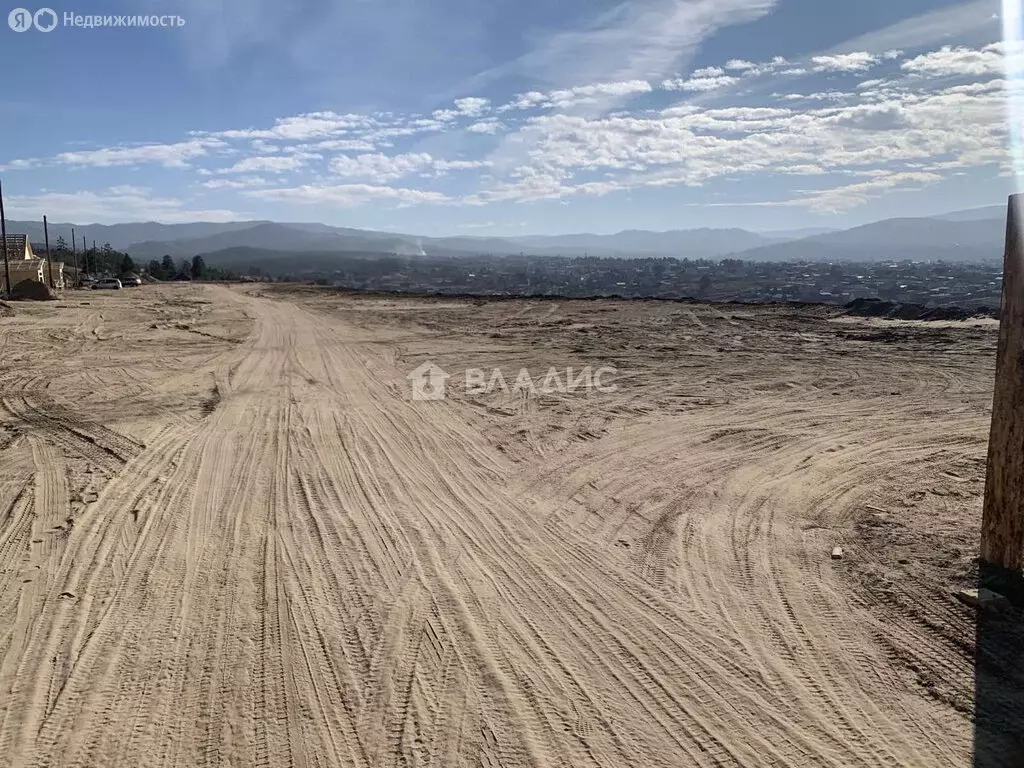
x: 1002, y: 525
x: 74, y: 253
x: 3, y: 234
x: 49, y: 261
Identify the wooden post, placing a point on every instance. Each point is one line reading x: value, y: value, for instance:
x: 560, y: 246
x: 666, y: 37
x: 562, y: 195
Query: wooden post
x: 49, y: 261
x: 1002, y: 525
x: 3, y: 234
x: 74, y: 254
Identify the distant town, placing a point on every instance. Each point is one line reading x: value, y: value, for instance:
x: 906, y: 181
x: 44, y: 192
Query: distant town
x: 931, y: 284
x: 951, y: 260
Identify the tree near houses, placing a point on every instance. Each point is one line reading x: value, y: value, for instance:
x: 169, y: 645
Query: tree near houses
x: 167, y: 265
x: 155, y: 269
x: 127, y: 264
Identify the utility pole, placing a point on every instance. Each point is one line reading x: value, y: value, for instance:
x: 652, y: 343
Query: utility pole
x: 85, y: 255
x: 1002, y: 524
x: 49, y: 261
x: 74, y: 254
x: 3, y: 234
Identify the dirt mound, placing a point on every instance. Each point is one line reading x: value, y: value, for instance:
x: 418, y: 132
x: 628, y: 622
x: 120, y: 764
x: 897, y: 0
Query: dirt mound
x: 32, y: 290
x: 895, y: 311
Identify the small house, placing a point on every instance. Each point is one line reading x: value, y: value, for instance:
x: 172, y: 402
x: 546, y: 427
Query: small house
x: 23, y: 264
x: 19, y: 248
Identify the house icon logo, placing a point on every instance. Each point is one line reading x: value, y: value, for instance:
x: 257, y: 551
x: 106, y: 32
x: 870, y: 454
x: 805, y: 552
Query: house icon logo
x: 428, y: 382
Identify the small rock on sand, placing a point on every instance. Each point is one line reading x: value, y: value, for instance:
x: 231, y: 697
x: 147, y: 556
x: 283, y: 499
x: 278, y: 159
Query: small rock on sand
x: 983, y: 598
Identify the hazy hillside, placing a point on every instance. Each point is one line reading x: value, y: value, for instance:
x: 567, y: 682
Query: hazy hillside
x: 276, y: 237
x: 688, y: 243
x: 798, y: 234
x: 975, y: 214
x: 123, y: 236
x: 894, y: 240
x: 969, y: 235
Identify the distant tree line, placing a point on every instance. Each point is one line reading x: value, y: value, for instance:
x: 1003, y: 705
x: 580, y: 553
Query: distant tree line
x: 194, y: 269
x: 104, y: 260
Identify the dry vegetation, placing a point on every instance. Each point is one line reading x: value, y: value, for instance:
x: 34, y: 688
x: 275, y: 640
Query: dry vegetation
x: 228, y: 536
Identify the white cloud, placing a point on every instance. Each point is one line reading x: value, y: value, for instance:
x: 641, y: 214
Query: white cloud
x: 564, y: 98
x: 700, y: 84
x: 169, y: 155
x: 883, y: 134
x: 22, y: 164
x: 570, y: 96
x: 649, y: 39
x: 972, y: 18
x: 246, y: 183
x: 346, y: 195
x: 740, y: 64
x: 844, y: 198
x: 112, y: 205
x: 271, y: 163
x: 472, y: 106
x: 956, y: 62
x: 380, y: 167
x: 527, y: 100
x: 858, y: 61
x: 889, y: 116
x: 443, y: 166
x: 488, y: 126
x: 910, y: 136
x: 817, y: 96
x: 733, y: 71
x: 344, y: 145
x: 310, y: 125
x: 259, y: 145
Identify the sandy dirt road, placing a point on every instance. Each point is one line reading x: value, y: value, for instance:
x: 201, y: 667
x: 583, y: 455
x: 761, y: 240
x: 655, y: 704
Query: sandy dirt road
x: 228, y: 536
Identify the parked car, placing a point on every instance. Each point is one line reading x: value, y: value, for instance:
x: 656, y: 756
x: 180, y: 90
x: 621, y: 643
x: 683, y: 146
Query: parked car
x: 130, y: 281
x: 107, y: 283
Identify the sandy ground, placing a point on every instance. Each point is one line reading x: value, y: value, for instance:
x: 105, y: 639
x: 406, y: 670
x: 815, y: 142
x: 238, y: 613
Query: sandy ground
x: 229, y: 536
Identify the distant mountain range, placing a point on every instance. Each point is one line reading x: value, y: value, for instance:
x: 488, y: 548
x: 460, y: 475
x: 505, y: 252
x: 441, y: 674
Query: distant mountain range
x: 932, y: 239
x: 970, y: 235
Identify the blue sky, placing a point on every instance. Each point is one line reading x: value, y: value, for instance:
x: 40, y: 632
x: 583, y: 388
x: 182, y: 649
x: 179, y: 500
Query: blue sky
x: 512, y: 116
